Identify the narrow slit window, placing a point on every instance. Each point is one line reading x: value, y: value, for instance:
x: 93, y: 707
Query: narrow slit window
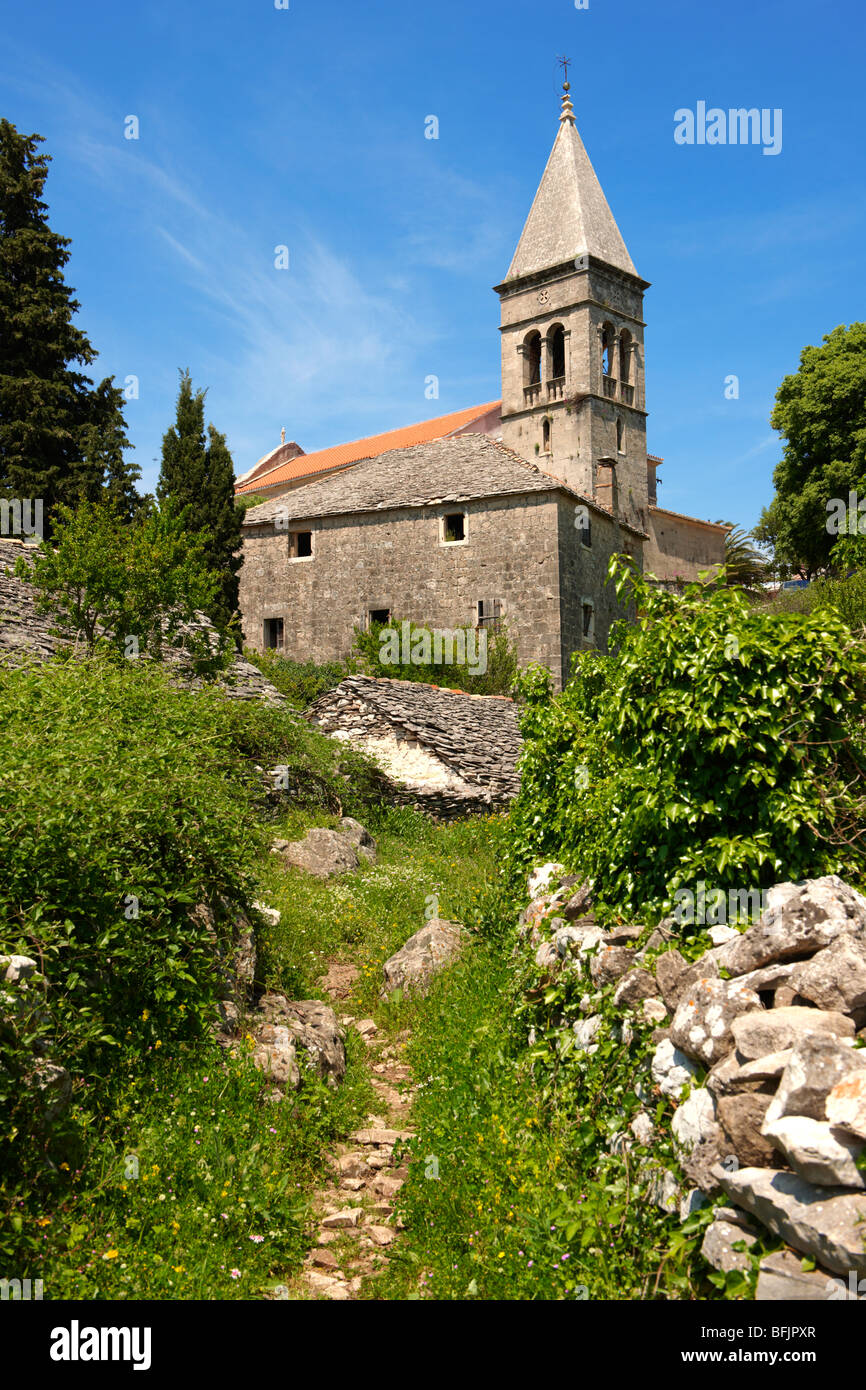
x: 588, y: 620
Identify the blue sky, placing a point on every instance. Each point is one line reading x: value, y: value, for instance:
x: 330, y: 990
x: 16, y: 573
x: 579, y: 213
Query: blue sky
x: 304, y: 127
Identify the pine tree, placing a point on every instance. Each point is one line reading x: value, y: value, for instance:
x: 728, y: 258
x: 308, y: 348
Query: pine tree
x: 197, y: 473
x: 58, y: 433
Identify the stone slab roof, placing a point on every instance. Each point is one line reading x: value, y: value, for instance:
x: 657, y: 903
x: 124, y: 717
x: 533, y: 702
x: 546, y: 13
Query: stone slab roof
x: 474, y: 738
x: 569, y: 216
x: 463, y: 469
x: 25, y: 635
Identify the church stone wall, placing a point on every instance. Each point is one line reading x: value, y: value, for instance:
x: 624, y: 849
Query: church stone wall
x: 680, y: 546
x: 583, y: 572
x: 394, y: 560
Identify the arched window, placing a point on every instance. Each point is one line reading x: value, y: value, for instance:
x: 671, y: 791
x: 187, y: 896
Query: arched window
x: 545, y: 436
x: 625, y: 343
x: 607, y: 340
x: 532, y: 359
x: 556, y: 340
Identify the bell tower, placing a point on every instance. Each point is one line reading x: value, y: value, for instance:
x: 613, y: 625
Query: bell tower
x: 573, y: 399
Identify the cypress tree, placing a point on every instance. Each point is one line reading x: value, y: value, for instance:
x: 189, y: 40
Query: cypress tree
x: 60, y: 437
x: 197, y: 473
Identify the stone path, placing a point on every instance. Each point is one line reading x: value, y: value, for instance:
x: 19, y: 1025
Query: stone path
x: 357, y: 1223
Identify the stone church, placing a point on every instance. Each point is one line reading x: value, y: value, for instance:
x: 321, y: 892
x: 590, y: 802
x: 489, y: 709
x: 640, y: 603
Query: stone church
x: 507, y: 511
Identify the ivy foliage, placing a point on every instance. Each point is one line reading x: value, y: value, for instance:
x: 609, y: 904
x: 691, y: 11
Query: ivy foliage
x: 719, y: 743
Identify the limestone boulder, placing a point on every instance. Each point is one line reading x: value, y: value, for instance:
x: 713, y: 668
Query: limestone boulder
x: 741, y: 1117
x: 609, y: 964
x: 579, y: 904
x: 846, y: 1103
x: 800, y: 918
x: 695, y: 1120
x: 355, y: 832
x: 672, y: 1070
x: 836, y: 977
x: 705, y: 1016
x: 274, y: 1054
x: 818, y: 1152
x: 718, y: 1246
x: 817, y: 1062
x: 782, y: 1279
x: 732, y: 1077
x: 543, y: 877
x: 773, y: 1030
x: 825, y: 1223
x: 413, y: 967
x: 322, y: 853
x: 314, y: 1030
x: 635, y: 986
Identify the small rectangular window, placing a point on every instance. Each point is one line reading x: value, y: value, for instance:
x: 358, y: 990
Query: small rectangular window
x: 380, y: 615
x: 453, y: 527
x: 489, y: 613
x: 274, y: 633
x: 300, y: 545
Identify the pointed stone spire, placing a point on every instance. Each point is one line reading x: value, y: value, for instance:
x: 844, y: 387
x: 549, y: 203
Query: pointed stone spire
x: 569, y: 216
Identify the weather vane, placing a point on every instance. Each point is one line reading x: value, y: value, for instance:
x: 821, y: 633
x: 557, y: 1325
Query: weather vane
x: 563, y: 63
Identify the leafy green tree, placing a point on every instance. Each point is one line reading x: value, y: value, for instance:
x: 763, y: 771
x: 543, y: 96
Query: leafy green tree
x: 197, y: 474
x: 134, y: 587
x: 820, y: 412
x: 60, y: 437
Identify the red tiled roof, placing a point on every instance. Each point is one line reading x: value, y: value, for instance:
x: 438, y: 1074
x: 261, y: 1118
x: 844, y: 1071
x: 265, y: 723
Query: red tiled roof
x: 341, y: 455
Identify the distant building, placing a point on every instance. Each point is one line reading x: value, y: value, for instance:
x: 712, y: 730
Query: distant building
x: 504, y: 511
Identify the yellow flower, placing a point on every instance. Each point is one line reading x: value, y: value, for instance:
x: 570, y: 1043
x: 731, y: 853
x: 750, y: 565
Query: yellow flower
x: 44, y: 1221
x: 145, y: 1015
x: 178, y: 1269
x: 110, y: 1255
x: 158, y: 1043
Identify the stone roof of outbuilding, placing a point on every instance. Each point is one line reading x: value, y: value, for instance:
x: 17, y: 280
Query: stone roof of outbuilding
x: 25, y: 635
x: 444, y: 471
x: 569, y: 216
x: 477, y: 736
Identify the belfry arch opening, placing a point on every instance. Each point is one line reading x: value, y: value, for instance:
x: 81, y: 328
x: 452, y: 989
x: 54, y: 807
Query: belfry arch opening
x: 556, y: 342
x: 532, y: 359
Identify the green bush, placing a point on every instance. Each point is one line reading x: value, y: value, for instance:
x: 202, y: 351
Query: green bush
x: 499, y: 661
x: 128, y: 803
x: 301, y: 682
x: 720, y: 744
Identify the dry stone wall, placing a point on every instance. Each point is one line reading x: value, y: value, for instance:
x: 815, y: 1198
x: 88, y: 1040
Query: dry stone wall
x: 761, y: 1044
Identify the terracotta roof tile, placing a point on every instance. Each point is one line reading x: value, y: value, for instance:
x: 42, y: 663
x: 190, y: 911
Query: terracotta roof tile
x: 341, y: 455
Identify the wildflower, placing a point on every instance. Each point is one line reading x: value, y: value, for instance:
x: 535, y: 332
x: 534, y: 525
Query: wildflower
x: 235, y: 1273
x: 257, y: 1239
x: 110, y: 1255
x: 44, y: 1221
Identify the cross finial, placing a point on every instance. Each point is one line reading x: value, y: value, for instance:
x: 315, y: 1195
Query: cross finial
x: 567, y: 108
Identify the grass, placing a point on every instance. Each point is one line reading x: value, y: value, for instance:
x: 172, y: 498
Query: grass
x: 514, y: 1191
x: 421, y: 870
x: 181, y: 1179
